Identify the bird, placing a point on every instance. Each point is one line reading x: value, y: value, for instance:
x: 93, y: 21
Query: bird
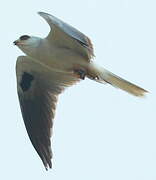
x: 49, y: 66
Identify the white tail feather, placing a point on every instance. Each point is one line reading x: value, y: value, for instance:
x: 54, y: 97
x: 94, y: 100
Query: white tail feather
x: 102, y: 75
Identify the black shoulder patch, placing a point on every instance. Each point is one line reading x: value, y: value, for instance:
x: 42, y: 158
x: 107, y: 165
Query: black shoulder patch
x: 26, y: 80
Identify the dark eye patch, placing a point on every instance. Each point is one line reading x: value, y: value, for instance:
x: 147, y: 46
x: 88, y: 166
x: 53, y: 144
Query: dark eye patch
x: 24, y: 37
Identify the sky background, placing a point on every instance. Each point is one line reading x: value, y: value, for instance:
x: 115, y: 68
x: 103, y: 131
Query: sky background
x: 100, y: 132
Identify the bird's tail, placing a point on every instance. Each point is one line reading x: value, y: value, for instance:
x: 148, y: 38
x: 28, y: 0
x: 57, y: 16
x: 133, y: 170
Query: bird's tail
x: 102, y: 75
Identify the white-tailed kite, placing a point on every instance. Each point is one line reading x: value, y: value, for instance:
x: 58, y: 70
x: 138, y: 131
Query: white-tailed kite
x: 51, y: 64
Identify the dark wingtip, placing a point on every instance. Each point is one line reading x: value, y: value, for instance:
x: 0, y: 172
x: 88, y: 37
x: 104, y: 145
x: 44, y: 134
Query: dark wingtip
x: 41, y: 13
x: 48, y: 166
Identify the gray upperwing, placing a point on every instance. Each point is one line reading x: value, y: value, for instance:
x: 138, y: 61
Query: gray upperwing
x: 58, y: 25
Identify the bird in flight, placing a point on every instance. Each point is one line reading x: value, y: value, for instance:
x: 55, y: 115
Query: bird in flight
x: 50, y: 65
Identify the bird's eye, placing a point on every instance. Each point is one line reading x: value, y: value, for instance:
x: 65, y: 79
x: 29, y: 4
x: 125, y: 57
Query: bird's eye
x: 24, y: 37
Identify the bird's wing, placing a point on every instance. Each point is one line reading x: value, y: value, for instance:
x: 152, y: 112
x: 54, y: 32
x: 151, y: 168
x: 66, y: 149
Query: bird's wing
x: 38, y: 89
x: 65, y: 35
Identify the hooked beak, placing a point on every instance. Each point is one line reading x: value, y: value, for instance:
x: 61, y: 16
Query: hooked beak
x: 16, y: 42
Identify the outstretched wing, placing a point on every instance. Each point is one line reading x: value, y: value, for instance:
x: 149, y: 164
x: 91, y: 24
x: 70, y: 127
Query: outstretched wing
x: 65, y: 35
x: 38, y: 90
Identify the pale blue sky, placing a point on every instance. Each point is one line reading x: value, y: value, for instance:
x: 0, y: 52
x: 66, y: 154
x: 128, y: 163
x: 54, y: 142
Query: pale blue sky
x: 100, y: 132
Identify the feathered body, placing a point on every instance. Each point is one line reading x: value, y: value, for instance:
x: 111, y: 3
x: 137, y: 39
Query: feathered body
x: 51, y: 64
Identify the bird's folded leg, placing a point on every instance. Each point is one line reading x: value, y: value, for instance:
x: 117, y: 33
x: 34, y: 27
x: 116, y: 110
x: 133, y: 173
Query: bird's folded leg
x: 81, y: 73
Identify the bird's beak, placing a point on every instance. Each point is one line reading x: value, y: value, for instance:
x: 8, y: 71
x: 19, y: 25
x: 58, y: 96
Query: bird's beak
x: 16, y: 42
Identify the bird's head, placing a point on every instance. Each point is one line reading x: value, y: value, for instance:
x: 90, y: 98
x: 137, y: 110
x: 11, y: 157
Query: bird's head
x: 27, y: 44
